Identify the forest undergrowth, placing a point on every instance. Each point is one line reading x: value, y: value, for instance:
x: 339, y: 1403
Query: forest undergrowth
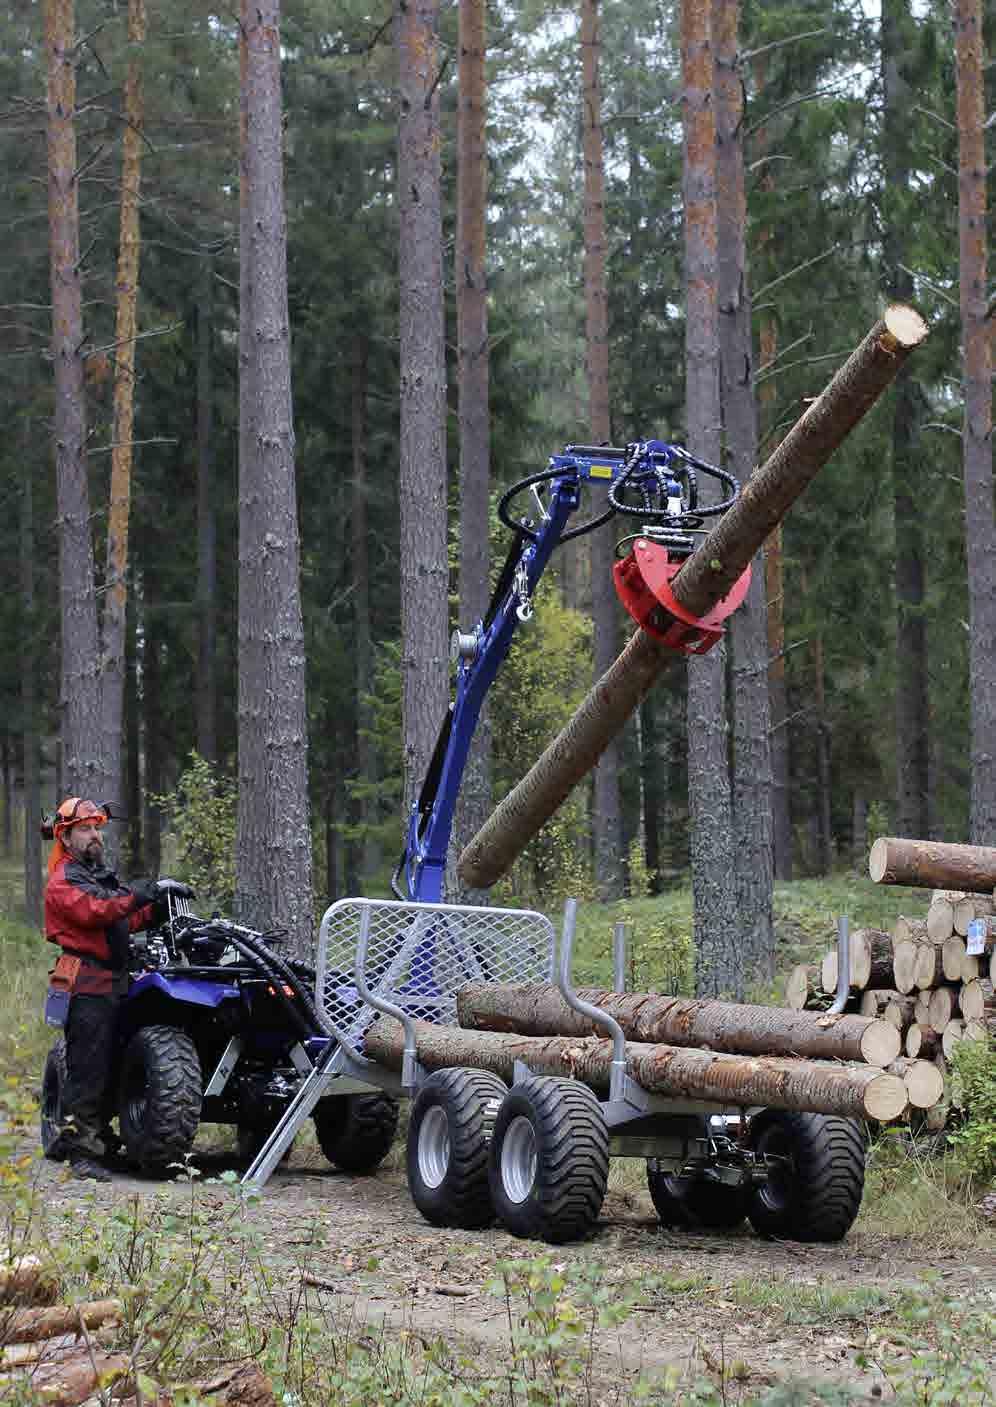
x: 199, y: 1288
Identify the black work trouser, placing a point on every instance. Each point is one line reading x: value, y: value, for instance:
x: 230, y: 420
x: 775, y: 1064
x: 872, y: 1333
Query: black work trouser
x: 91, y: 1072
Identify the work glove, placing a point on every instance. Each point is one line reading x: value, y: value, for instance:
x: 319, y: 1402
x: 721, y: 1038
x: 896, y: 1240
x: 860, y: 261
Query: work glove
x: 176, y: 887
x: 144, y: 891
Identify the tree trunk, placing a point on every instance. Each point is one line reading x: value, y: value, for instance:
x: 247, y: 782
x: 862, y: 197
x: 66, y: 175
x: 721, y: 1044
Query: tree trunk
x: 752, y: 780
x: 857, y: 1091
x: 273, y: 854
x: 899, y: 35
x: 424, y: 569
x: 207, y: 574
x: 83, y: 764
x: 607, y: 816
x: 932, y: 864
x: 737, y: 1029
x: 366, y: 753
x: 719, y: 967
x: 977, y: 447
x: 473, y: 370
x: 705, y: 578
x: 112, y: 678
x: 29, y: 698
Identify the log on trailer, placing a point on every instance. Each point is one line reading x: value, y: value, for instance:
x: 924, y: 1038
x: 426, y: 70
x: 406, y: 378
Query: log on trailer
x: 538, y: 1009
x: 734, y: 1081
x: 703, y: 581
x: 933, y: 864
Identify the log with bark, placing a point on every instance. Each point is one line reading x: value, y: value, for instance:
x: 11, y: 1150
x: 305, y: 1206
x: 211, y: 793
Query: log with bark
x: 538, y: 1009
x: 30, y: 1325
x: 69, y: 1382
x: 969, y: 908
x: 889, y: 1005
x: 930, y: 864
x: 803, y: 991
x: 853, y: 1091
x: 705, y: 579
x: 870, y: 961
x: 27, y: 1280
x: 922, y: 1042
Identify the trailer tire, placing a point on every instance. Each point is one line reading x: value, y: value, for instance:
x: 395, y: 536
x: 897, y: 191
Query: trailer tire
x: 813, y: 1192
x: 447, y: 1152
x: 52, y: 1113
x: 159, y: 1102
x: 688, y: 1203
x: 548, y: 1165
x: 355, y: 1131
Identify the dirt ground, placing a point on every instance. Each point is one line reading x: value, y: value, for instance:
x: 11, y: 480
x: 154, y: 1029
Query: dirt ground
x: 380, y: 1265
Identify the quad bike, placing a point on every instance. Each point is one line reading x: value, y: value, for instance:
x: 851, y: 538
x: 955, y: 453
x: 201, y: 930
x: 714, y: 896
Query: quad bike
x: 217, y: 1027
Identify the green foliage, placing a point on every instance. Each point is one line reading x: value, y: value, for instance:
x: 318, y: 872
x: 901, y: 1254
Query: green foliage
x: 201, y: 813
x: 973, y: 1091
x: 385, y: 731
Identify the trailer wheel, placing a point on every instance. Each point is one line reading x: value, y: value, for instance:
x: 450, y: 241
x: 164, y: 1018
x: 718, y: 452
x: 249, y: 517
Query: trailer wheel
x: 549, y: 1160
x: 816, y: 1175
x: 689, y: 1202
x: 159, y: 1096
x: 52, y: 1100
x: 355, y: 1131
x: 447, y: 1154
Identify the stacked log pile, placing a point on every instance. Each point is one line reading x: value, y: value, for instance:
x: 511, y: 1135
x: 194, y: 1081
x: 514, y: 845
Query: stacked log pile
x: 729, y: 1053
x: 64, y: 1355
x: 921, y: 978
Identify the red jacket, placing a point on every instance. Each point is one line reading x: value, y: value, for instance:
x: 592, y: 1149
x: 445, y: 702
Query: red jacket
x: 90, y: 914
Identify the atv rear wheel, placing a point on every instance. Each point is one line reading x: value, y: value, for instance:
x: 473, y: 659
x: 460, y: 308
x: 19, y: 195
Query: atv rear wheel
x: 52, y: 1102
x: 355, y: 1131
x: 816, y: 1175
x: 159, y: 1104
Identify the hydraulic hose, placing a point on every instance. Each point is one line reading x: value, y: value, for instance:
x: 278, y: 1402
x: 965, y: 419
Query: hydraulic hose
x: 281, y: 966
x: 262, y: 964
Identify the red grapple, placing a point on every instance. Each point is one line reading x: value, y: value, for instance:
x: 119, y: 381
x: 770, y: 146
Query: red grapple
x: 643, y: 584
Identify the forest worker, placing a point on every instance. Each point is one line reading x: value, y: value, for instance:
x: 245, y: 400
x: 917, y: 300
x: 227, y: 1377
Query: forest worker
x: 90, y: 914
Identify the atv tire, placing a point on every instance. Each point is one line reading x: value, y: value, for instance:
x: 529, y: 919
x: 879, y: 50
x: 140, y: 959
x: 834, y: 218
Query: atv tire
x: 813, y: 1191
x: 159, y: 1104
x: 355, y: 1131
x: 52, y: 1102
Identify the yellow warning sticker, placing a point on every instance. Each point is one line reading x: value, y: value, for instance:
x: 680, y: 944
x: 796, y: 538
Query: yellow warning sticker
x: 601, y: 471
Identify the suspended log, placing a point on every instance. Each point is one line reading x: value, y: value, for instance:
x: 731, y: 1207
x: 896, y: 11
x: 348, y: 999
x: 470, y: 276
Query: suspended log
x: 928, y: 864
x: 940, y: 920
x: 538, y: 1009
x: 705, y: 578
x: 976, y: 1000
x: 924, y: 1082
x: 853, y: 1091
x: 922, y: 1042
x: 802, y: 990
x: 30, y: 1325
x: 969, y: 908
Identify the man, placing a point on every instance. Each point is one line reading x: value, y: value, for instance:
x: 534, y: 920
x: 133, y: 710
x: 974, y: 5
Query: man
x: 90, y: 914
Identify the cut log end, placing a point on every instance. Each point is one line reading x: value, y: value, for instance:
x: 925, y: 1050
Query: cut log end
x: 885, y: 1098
x: 904, y: 325
x: 880, y: 1043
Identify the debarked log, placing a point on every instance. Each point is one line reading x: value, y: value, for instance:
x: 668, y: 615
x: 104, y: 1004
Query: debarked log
x: 732, y: 1027
x: 927, y: 864
x: 741, y: 1081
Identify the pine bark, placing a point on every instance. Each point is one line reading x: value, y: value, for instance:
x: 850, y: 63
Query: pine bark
x: 366, y: 753
x: 273, y: 859
x: 30, y: 756
x: 704, y: 579
x: 207, y: 572
x: 607, y: 814
x: 719, y: 967
x: 752, y: 777
x: 473, y: 386
x: 912, y: 752
x: 114, y: 623
x: 859, y: 1091
x: 735, y: 1028
x: 424, y: 568
x: 977, y: 448
x: 82, y: 760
